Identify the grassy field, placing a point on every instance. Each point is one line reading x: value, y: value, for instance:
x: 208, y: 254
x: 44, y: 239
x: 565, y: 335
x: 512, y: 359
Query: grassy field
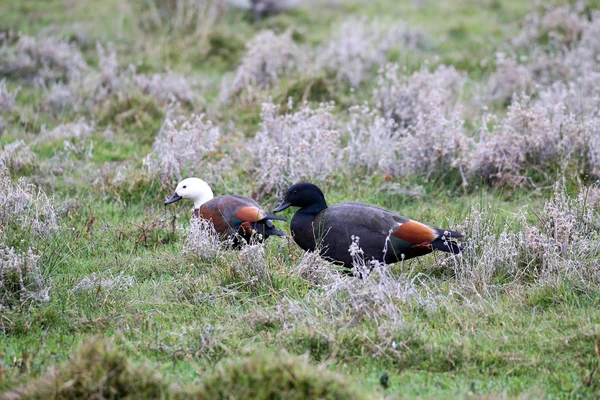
x: 481, y: 116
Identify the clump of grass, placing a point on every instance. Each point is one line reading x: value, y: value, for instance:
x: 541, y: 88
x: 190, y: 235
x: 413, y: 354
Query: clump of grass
x: 202, y: 240
x: 167, y: 88
x: 25, y: 209
x: 252, y: 267
x: 300, y: 145
x: 314, y: 269
x: 76, y: 131
x: 99, y: 369
x: 358, y: 45
x: 94, y: 282
x: 562, y: 25
x: 21, y: 280
x: 267, y: 376
x: 421, y: 132
x: 41, y: 60
x: 403, y: 98
x: 268, y: 58
x: 7, y: 98
x: 529, y: 137
x: 188, y: 19
x: 562, y: 247
x: 17, y: 157
x: 373, y: 141
x: 181, y: 145
x: 509, y: 79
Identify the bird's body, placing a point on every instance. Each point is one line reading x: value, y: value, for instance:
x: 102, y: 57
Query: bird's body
x: 232, y: 216
x: 260, y: 8
x: 383, y: 235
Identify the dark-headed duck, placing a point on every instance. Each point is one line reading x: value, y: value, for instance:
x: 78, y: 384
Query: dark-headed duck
x: 384, y: 236
x: 230, y: 214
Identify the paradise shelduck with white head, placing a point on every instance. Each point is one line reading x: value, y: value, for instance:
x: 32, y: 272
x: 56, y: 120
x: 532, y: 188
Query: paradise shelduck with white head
x: 383, y: 235
x: 231, y: 215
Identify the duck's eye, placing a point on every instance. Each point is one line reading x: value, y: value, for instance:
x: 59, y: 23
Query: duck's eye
x: 185, y: 187
x: 295, y: 191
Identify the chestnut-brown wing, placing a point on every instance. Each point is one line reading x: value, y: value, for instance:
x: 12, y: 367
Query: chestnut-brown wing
x: 228, y: 213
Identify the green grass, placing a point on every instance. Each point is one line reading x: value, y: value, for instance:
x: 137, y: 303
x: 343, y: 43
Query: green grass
x: 189, y: 327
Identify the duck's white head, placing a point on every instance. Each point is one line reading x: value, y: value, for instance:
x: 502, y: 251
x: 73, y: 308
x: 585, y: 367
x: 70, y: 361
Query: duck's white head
x: 194, y: 189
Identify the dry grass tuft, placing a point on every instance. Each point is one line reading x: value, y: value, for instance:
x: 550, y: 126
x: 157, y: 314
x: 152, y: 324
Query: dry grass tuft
x: 94, y: 282
x: 509, y: 79
x: 41, y: 60
x: 563, y: 246
x: 373, y: 141
x: 21, y: 280
x: 358, y: 45
x: 268, y: 58
x: 531, y: 137
x: 202, y: 240
x: 7, y: 98
x: 181, y: 145
x: 189, y: 19
x: 300, y: 145
x: 16, y: 157
x: 25, y: 205
x: 403, y: 98
x: 77, y: 131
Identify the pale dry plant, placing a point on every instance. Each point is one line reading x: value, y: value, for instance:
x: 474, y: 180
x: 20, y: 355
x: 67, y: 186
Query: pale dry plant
x: 76, y: 131
x: 594, y: 152
x: 202, y: 240
x: 252, y: 267
x: 21, y: 280
x: 167, y: 88
x: 192, y: 20
x: 402, y: 98
x: 489, y: 253
x: 373, y: 141
x: 7, y: 97
x: 562, y: 43
x: 562, y: 25
x: 314, y: 268
x: 42, y: 60
x: 530, y: 137
x: 346, y: 302
x: 357, y: 46
x: 17, y: 156
x: 299, y: 145
x: 111, y: 82
x: 269, y: 56
x: 436, y: 144
x: 24, y: 205
x: 561, y: 246
x: 510, y: 78
x: 95, y: 283
x: 181, y: 144
x: 60, y: 97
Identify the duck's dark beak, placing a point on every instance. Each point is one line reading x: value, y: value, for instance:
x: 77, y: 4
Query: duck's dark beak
x: 284, y: 204
x: 173, y: 199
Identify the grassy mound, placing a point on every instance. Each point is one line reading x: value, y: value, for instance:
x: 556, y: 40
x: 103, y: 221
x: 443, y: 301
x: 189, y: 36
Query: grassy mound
x: 99, y: 370
x: 275, y: 376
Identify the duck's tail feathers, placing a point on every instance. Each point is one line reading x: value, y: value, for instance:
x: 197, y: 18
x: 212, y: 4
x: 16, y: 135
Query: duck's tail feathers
x: 445, y: 242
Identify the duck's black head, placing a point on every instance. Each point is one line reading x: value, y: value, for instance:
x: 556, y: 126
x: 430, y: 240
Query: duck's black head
x: 304, y: 195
